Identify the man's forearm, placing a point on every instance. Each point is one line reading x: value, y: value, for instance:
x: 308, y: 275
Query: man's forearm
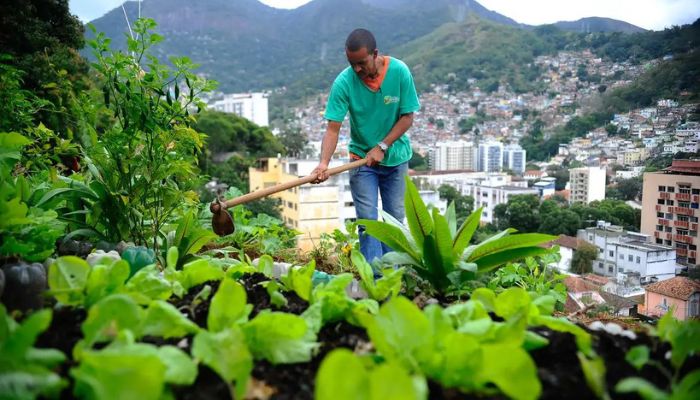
x: 330, y: 141
x: 400, y: 127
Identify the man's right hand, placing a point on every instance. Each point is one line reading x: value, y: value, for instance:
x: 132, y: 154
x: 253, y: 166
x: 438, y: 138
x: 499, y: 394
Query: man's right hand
x: 321, y: 172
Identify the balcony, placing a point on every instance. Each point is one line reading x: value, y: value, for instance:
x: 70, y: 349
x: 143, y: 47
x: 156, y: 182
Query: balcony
x: 658, y: 207
x: 664, y: 222
x: 657, y: 234
x: 681, y: 224
x: 696, y: 198
x: 683, y: 211
x: 683, y: 238
x: 682, y: 252
x: 664, y: 195
x: 669, y: 236
x: 683, y: 196
x: 692, y: 254
x: 694, y: 227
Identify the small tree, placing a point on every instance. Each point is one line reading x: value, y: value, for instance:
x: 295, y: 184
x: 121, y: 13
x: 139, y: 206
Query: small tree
x: 582, y: 261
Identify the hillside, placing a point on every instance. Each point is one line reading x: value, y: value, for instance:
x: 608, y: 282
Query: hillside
x: 597, y: 24
x: 246, y: 45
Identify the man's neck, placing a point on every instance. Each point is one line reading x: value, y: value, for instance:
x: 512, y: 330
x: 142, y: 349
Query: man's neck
x: 380, y: 65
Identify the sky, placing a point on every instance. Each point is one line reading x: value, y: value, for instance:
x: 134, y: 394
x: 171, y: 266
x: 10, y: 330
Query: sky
x: 648, y: 14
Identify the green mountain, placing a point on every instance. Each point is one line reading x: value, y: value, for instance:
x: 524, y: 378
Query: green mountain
x: 246, y: 45
x: 597, y: 24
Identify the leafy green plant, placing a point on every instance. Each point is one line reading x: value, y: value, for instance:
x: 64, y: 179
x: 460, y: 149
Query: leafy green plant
x: 439, y: 252
x: 143, y: 167
x: 27, y: 372
x: 345, y: 376
x: 683, y: 338
x: 188, y: 238
x: 388, y: 285
x: 533, y: 276
x: 26, y: 231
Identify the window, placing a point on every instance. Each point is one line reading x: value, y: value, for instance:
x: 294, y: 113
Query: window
x: 669, y: 229
x: 590, y: 238
x: 660, y: 214
x: 630, y: 258
x: 671, y: 189
x: 600, y: 265
x: 611, y: 253
x: 658, y: 241
x: 600, y: 250
x: 691, y: 261
x: 660, y: 201
x: 639, y: 260
x: 622, y: 256
x: 693, y: 233
x: 696, y: 191
x: 684, y: 190
x: 620, y: 270
x: 682, y: 217
x: 669, y: 216
x: 662, y: 188
x: 692, y: 247
x: 669, y: 202
x: 349, y: 204
x: 694, y: 205
x: 684, y: 204
x: 683, y: 232
x: 693, y: 219
x: 667, y: 242
x: 610, y: 269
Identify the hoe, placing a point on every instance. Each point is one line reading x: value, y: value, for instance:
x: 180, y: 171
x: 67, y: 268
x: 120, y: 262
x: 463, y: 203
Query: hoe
x: 222, y: 221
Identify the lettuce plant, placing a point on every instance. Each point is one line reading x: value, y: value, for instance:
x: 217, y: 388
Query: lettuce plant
x: 683, y: 338
x: 388, y: 285
x: 439, y: 252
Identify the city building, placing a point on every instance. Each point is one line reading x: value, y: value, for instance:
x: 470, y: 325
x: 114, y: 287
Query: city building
x: 488, y: 193
x: 318, y: 208
x: 451, y: 156
x: 587, y: 184
x: 514, y: 158
x: 681, y: 294
x: 546, y: 187
x: 623, y: 253
x: 670, y: 208
x: 490, y: 156
x: 251, y: 106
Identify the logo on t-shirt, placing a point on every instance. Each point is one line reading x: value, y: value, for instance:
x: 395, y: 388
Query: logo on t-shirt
x: 390, y: 99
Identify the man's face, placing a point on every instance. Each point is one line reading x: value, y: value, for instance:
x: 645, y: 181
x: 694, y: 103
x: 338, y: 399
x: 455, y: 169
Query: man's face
x: 363, y: 62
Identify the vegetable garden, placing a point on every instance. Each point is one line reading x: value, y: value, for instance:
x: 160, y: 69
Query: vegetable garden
x: 114, y: 286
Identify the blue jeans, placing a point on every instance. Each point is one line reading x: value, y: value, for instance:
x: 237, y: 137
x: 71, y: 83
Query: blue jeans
x: 366, y: 183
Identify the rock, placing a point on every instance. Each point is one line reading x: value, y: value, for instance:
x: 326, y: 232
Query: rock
x: 95, y: 257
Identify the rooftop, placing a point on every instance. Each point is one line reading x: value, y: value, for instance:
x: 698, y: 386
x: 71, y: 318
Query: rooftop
x: 685, y: 167
x: 679, y: 287
x: 567, y: 241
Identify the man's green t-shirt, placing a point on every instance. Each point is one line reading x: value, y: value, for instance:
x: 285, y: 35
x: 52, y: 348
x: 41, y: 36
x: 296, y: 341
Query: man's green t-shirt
x: 373, y: 114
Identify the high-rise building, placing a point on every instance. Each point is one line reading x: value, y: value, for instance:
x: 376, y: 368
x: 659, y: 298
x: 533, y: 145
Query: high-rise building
x: 670, y: 208
x: 251, y: 106
x: 451, y: 156
x: 587, y: 184
x: 490, y: 157
x: 514, y: 158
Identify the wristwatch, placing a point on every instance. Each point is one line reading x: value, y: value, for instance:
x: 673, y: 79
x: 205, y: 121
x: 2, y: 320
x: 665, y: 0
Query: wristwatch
x: 383, y: 146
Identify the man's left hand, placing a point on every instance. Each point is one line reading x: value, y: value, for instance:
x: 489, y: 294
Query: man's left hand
x: 374, y: 156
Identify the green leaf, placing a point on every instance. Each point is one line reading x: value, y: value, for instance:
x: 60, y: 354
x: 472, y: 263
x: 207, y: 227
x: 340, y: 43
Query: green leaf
x: 533, y: 341
x: 389, y: 235
x: 466, y: 231
x: 266, y: 265
x: 162, y: 319
x: 148, y: 282
x: 108, y: 316
x: 341, y: 376
x: 200, y: 271
x: 336, y: 305
x: 594, y: 372
x: 419, y: 221
x: 228, y: 306
x: 487, y: 248
x: 451, y: 217
x: 15, y: 347
x: 511, y: 369
x: 67, y: 278
x: 30, y: 383
x: 112, y: 375
x: 434, y: 270
x: 644, y: 388
x: 638, y: 356
x: 280, y: 338
x: 181, y: 370
x: 511, y: 302
x: 488, y: 263
x: 104, y: 280
x: 226, y: 353
x: 688, y: 388
x: 299, y: 279
x: 443, y: 240
x: 583, y: 338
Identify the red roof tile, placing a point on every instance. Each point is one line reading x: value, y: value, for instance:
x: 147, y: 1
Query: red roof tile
x: 679, y: 287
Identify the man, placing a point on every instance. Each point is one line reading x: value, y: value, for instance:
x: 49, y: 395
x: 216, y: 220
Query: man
x: 379, y: 93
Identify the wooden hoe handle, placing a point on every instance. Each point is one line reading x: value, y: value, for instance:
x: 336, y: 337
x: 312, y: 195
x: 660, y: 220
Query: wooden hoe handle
x: 258, y: 194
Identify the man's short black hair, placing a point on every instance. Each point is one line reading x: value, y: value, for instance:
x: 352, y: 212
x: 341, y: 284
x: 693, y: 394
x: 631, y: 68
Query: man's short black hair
x: 361, y: 38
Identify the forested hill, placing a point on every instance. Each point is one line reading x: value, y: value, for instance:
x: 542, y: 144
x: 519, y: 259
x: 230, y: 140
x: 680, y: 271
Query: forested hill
x: 246, y: 45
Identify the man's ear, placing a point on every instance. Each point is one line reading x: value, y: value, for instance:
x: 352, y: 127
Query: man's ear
x: 375, y: 53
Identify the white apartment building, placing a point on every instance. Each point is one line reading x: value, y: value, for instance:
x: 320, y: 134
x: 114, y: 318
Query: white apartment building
x: 490, y: 156
x: 625, y: 253
x: 514, y: 158
x: 451, y: 156
x: 251, y: 106
x: 587, y: 184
